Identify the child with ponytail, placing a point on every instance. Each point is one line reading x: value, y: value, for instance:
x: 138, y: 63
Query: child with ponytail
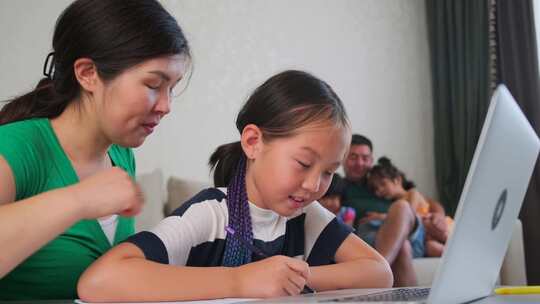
x: 260, y: 232
x: 388, y: 182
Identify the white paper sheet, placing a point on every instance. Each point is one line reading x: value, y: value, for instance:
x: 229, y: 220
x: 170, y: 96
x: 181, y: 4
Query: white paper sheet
x: 218, y: 301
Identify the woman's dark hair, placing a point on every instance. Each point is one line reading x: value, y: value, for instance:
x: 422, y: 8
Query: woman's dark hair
x: 386, y: 169
x: 279, y: 107
x: 115, y: 34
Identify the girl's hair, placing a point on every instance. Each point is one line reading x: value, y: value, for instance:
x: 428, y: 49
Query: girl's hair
x: 281, y: 106
x: 115, y: 34
x: 386, y: 169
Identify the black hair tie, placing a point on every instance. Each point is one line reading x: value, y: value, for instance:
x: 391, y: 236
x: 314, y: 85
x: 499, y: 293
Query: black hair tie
x: 48, y: 69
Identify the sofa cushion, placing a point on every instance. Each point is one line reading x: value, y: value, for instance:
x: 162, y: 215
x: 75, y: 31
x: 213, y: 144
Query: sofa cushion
x: 425, y: 269
x: 180, y: 190
x: 153, y: 191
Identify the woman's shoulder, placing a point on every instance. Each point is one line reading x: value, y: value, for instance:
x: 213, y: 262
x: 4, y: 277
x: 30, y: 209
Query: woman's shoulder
x: 28, y: 148
x: 23, y: 129
x: 26, y: 139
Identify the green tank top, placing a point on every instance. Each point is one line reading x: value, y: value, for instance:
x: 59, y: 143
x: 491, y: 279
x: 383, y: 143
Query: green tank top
x: 39, y: 164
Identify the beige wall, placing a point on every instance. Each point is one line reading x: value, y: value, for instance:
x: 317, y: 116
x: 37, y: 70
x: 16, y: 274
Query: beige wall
x: 373, y: 52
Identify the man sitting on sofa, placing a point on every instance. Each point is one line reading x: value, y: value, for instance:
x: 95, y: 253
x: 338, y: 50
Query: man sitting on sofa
x: 393, y: 229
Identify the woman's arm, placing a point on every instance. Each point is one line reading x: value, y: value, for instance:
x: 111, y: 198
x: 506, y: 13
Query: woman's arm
x: 357, y: 266
x: 435, y: 206
x: 27, y: 225
x: 123, y: 274
x: 370, y: 216
x: 435, y: 223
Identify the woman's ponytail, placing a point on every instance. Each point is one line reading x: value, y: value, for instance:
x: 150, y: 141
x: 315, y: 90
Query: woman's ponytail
x: 41, y: 102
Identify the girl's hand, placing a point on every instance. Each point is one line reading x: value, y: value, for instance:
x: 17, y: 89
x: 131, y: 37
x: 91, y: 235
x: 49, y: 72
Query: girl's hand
x: 436, y: 227
x: 272, y: 277
x: 108, y: 192
x: 376, y: 216
x: 370, y: 216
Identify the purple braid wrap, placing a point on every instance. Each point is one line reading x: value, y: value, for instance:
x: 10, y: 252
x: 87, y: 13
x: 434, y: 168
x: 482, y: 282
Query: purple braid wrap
x: 235, y: 253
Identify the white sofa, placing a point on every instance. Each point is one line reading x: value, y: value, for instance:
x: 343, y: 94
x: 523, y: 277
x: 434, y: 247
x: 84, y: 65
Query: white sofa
x: 512, y: 270
x: 162, y: 198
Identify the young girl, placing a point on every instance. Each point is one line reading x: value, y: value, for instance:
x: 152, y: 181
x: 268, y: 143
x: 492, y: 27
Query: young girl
x: 390, y: 183
x: 263, y: 235
x: 67, y: 193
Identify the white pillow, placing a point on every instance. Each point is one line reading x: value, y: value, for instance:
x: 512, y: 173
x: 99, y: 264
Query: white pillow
x: 181, y: 190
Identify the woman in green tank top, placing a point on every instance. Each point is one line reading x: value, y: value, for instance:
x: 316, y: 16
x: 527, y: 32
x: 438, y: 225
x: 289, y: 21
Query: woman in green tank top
x: 66, y: 166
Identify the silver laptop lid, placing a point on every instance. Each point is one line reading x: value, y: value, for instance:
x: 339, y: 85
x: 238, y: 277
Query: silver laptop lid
x: 489, y: 205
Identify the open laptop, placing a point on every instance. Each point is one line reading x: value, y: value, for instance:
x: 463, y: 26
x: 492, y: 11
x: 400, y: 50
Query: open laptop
x: 494, y: 190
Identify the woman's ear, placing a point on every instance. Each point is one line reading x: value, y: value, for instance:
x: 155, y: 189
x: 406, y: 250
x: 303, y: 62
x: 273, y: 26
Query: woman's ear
x: 251, y: 141
x: 86, y: 73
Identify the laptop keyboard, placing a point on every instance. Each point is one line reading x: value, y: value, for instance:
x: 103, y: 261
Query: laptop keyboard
x: 400, y: 294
